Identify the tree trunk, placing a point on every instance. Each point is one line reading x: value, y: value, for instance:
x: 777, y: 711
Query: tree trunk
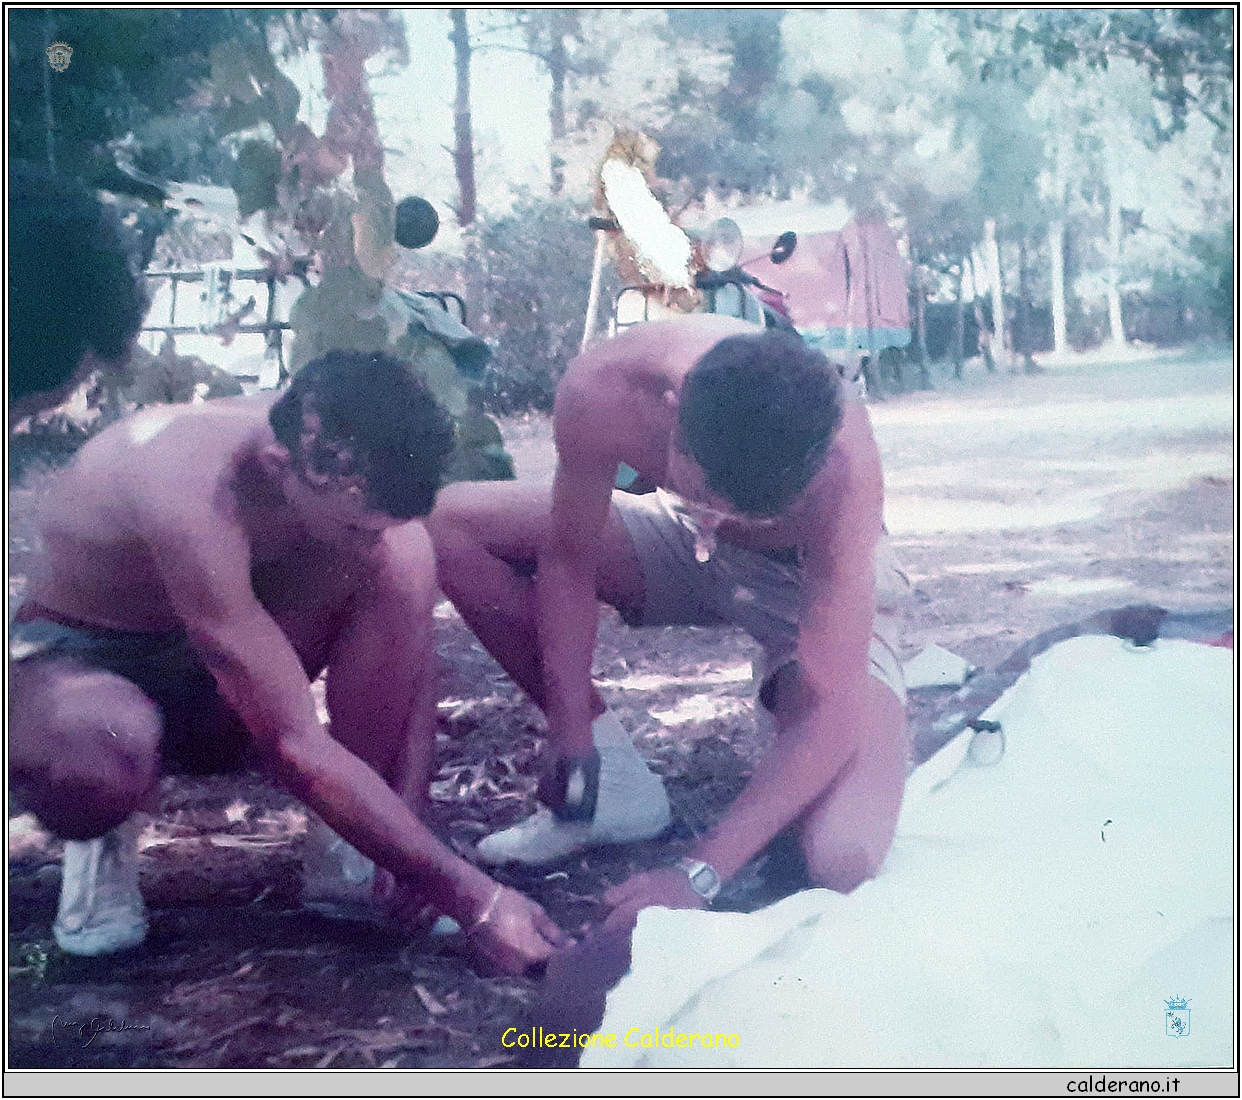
x: 359, y: 235
x: 919, y: 296
x: 1024, y: 338
x: 871, y: 363
x: 984, y: 334
x: 558, y: 67
x: 959, y: 323
x: 992, y: 255
x: 49, y: 116
x: 871, y: 376
x: 1056, y: 249
x: 1056, y: 237
x: 463, y: 151
x: 1116, y: 329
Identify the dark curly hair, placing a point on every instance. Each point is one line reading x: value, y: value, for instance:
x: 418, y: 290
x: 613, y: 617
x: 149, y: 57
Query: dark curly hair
x: 72, y: 283
x: 758, y: 413
x: 371, y: 416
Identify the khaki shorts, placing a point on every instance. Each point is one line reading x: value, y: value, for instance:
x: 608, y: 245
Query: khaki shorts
x: 762, y: 592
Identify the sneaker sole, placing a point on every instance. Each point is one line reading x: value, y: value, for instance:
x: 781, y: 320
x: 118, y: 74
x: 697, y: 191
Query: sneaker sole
x: 99, y: 941
x: 500, y: 859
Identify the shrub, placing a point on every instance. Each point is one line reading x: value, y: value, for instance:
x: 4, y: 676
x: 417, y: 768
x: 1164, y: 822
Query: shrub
x: 528, y: 275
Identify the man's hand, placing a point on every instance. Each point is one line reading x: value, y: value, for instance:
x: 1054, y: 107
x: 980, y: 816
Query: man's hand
x: 668, y: 886
x: 516, y: 935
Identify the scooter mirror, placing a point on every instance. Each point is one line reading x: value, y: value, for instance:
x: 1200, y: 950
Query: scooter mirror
x: 783, y: 247
x: 417, y: 222
x: 722, y: 245
x: 662, y: 249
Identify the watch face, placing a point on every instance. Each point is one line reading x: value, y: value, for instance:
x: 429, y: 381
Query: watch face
x: 704, y: 880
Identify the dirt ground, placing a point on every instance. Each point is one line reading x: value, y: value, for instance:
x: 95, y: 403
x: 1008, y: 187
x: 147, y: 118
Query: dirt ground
x: 1016, y: 503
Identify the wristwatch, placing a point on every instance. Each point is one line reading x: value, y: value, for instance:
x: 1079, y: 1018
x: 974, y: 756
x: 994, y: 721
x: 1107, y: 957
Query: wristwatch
x: 704, y: 878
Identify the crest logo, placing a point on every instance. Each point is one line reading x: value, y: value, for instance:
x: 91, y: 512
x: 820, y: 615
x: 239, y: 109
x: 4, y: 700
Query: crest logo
x: 1177, y: 1017
x: 58, y: 55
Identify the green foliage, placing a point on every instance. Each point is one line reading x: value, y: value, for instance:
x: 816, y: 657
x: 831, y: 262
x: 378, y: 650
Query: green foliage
x: 727, y: 134
x: 342, y: 311
x: 528, y: 275
x: 169, y: 378
x: 131, y: 69
x: 436, y: 365
x: 1186, y: 52
x: 480, y: 453
x: 245, y: 78
x: 255, y: 177
x: 1010, y: 151
x: 1215, y: 252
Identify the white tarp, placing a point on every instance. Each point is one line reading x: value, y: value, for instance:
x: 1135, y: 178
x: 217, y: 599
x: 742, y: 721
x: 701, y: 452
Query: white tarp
x: 1038, y: 912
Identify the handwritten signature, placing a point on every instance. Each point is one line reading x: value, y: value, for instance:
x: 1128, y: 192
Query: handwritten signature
x: 89, y: 1030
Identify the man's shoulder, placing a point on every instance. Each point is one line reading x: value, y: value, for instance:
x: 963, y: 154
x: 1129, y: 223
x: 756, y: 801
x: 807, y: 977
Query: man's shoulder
x: 173, y: 464
x: 623, y: 412
x: 850, y: 486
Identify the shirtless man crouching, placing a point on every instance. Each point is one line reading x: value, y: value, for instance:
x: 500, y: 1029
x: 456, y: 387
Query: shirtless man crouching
x: 202, y: 566
x: 768, y: 516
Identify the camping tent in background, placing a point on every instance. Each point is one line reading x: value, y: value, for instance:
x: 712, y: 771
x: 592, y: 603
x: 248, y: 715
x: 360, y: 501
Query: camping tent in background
x: 844, y: 285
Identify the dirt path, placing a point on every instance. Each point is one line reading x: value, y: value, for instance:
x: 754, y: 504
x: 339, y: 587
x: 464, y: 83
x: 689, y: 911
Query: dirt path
x: 1016, y: 504
x: 1037, y: 500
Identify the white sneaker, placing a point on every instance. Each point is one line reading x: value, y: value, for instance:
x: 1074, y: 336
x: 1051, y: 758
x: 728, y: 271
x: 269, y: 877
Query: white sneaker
x: 101, y: 908
x: 338, y: 881
x: 632, y: 806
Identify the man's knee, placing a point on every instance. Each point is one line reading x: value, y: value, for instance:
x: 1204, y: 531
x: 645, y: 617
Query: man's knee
x: 454, y: 536
x: 100, y: 740
x: 843, y: 870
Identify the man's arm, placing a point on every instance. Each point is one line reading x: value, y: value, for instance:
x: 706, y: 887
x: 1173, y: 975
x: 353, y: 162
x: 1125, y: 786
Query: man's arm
x: 617, y: 403
x: 382, y: 666
x: 204, y: 563
x: 821, y: 716
x: 569, y: 560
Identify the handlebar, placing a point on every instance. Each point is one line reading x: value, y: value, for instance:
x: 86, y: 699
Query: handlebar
x: 735, y: 276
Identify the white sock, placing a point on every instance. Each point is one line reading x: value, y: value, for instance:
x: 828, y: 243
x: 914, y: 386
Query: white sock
x: 608, y: 733
x: 632, y: 806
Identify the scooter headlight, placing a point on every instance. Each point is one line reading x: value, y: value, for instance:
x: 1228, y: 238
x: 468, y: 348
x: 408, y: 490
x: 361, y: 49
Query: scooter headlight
x: 722, y: 245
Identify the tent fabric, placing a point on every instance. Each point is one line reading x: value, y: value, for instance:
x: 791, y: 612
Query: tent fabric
x: 1036, y: 912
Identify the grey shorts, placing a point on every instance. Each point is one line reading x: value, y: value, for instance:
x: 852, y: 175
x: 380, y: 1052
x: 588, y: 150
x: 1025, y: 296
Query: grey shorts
x: 201, y: 734
x: 762, y: 592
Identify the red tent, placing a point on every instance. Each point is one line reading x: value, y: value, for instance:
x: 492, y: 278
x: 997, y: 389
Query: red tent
x: 845, y: 288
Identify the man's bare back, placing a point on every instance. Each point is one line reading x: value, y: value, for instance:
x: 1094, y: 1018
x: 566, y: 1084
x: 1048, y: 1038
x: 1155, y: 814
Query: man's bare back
x: 102, y: 513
